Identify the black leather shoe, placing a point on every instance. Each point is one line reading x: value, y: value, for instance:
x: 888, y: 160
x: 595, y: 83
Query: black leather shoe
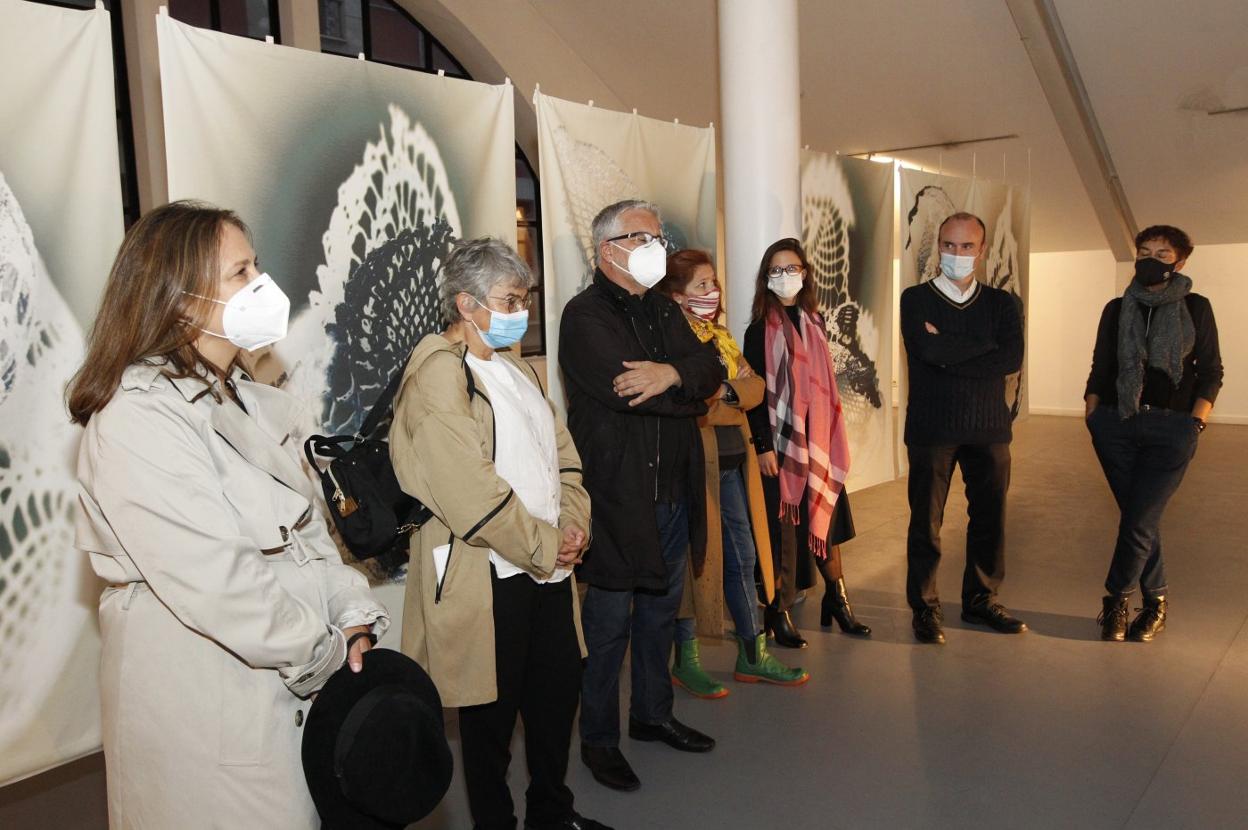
x: 993, y: 615
x: 609, y: 767
x: 927, y: 626
x: 780, y: 626
x: 1150, y: 622
x: 1113, y: 619
x: 673, y: 733
x: 574, y: 822
x: 836, y: 606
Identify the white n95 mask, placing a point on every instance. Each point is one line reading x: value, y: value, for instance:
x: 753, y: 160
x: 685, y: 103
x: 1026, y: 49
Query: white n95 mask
x: 255, y: 317
x: 647, y: 264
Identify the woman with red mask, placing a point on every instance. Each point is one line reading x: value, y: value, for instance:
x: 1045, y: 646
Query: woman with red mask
x: 734, y: 501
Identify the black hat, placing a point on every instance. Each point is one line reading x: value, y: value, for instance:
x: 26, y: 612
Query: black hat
x: 374, y: 748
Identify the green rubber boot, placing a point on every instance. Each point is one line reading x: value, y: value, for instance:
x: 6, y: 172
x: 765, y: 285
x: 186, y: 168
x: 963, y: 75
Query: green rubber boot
x: 756, y: 665
x: 687, y: 673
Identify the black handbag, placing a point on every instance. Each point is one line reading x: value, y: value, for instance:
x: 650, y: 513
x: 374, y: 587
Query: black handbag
x: 372, y: 513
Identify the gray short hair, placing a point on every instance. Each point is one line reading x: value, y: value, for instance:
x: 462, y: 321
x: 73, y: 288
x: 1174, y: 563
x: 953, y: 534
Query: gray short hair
x: 474, y: 266
x: 607, y: 222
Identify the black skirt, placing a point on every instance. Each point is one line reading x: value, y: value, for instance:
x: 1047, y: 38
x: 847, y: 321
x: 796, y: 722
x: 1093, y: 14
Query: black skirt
x: 790, y: 549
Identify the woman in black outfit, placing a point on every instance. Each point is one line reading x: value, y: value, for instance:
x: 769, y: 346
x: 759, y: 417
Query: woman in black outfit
x: 785, y: 287
x: 1156, y: 370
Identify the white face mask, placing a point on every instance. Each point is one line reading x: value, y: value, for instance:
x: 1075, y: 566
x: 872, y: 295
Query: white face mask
x: 957, y: 267
x: 256, y: 316
x: 785, y: 286
x: 647, y: 264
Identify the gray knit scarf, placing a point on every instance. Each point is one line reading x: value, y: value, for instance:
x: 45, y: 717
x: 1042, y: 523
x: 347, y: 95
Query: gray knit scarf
x: 1155, y: 331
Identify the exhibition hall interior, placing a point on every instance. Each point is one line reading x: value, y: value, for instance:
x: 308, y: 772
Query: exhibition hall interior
x: 1014, y: 222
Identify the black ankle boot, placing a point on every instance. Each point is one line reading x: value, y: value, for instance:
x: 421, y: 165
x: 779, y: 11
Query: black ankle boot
x: 836, y: 607
x: 780, y: 625
x: 1151, y: 620
x: 1113, y: 618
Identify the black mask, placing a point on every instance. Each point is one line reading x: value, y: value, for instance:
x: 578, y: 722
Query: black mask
x: 1150, y: 272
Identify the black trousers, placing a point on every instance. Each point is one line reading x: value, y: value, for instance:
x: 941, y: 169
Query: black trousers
x: 1144, y: 458
x: 986, y: 474
x: 538, y: 665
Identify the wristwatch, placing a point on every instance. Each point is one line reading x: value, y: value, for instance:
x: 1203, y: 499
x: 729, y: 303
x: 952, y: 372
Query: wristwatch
x: 1199, y: 423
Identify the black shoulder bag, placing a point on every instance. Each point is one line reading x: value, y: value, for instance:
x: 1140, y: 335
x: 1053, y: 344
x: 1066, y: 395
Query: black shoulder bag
x: 372, y: 513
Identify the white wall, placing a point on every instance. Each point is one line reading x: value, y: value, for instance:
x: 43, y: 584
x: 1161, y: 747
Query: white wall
x: 1219, y: 272
x: 1068, y: 291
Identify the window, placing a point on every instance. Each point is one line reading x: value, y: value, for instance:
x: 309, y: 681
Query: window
x: 248, y: 18
x: 121, y: 93
x: 383, y: 31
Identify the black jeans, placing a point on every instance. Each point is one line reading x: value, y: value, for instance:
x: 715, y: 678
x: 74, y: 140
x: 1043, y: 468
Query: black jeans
x: 986, y: 474
x: 611, y: 618
x: 1144, y: 458
x: 538, y: 666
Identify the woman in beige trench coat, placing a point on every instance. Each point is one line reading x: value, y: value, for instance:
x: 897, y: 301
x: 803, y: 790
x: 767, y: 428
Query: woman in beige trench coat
x: 491, y: 609
x: 226, y: 605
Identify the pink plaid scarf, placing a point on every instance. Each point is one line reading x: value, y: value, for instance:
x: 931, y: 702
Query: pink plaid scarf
x: 804, y: 407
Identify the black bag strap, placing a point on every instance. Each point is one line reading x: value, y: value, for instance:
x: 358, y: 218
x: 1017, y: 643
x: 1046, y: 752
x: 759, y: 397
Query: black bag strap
x: 330, y: 445
x: 471, y: 381
x: 382, y: 405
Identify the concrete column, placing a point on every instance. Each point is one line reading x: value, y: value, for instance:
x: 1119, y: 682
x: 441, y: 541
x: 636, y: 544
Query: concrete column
x: 760, y: 112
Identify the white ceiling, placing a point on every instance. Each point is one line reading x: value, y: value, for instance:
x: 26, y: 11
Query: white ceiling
x: 1153, y: 68
x: 879, y: 74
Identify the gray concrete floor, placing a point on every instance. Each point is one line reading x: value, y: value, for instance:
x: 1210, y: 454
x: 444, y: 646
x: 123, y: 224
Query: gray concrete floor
x: 1049, y: 729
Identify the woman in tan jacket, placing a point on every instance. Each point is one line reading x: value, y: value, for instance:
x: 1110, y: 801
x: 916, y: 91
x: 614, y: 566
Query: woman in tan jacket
x: 736, y: 522
x: 226, y: 604
x: 491, y: 609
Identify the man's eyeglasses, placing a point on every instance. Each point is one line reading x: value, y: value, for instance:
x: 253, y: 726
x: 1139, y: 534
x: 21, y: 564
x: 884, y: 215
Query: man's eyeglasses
x: 645, y: 238
x: 791, y: 270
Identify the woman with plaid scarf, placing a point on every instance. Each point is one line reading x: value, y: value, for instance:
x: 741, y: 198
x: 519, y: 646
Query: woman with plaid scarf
x: 801, y: 443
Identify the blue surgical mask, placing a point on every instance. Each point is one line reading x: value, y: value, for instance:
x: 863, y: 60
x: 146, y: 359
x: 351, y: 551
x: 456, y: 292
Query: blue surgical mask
x: 957, y: 267
x: 505, y: 329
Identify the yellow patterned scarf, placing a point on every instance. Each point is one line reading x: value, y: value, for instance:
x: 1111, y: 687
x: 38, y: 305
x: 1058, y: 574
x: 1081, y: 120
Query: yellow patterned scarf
x: 729, y: 351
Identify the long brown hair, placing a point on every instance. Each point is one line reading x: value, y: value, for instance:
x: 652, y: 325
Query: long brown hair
x: 146, y: 311
x: 764, y: 300
x: 681, y: 267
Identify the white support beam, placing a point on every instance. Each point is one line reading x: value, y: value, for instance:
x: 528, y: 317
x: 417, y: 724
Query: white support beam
x: 1054, y: 62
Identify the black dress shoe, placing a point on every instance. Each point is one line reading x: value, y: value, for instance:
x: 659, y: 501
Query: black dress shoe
x: 573, y: 822
x: 993, y: 615
x: 1150, y: 622
x: 779, y: 625
x: 609, y: 767
x: 673, y: 733
x: 1113, y: 618
x: 927, y: 626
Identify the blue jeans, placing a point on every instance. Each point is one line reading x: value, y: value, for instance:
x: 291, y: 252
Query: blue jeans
x: 610, y: 617
x: 739, y: 558
x: 1144, y: 458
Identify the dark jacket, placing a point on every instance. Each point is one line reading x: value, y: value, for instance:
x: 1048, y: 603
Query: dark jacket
x: 1202, y: 368
x: 619, y: 445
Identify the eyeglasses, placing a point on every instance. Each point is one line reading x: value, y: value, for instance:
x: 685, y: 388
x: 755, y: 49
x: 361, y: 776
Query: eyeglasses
x: 512, y: 304
x: 645, y: 237
x: 791, y: 270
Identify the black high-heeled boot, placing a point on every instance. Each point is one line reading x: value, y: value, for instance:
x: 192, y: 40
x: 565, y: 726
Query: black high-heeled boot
x: 836, y: 607
x: 780, y: 625
x: 835, y: 601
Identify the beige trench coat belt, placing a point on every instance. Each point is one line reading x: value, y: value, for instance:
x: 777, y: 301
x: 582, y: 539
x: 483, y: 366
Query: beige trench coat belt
x: 294, y: 550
